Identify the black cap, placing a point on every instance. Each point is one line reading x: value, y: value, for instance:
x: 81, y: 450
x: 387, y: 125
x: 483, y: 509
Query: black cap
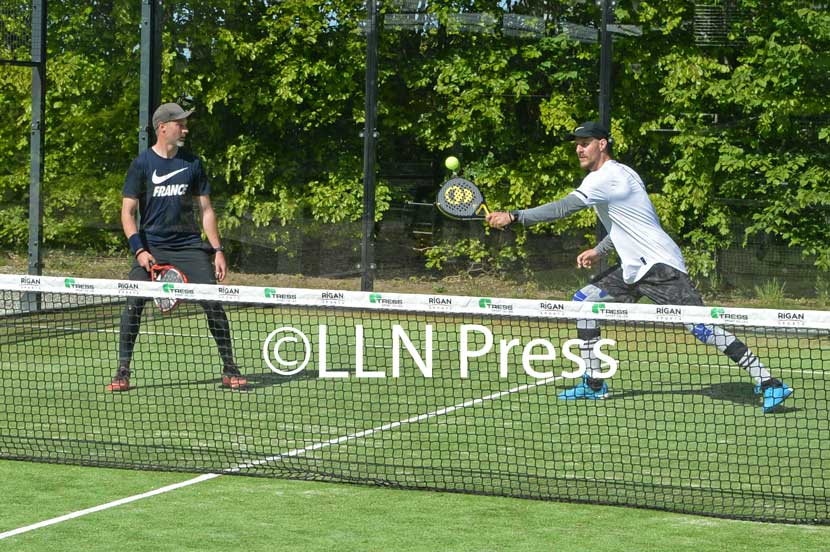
x: 169, y: 112
x: 590, y: 129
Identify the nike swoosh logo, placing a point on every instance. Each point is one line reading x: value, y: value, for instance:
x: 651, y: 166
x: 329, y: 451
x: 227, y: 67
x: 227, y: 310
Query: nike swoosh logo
x: 159, y: 179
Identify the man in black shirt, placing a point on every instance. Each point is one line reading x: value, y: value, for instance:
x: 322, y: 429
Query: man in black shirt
x: 161, y: 186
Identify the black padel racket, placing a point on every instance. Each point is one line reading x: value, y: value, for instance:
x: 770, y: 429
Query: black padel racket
x: 170, y: 275
x: 459, y: 198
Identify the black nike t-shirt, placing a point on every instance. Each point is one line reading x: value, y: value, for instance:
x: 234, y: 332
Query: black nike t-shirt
x: 165, y: 189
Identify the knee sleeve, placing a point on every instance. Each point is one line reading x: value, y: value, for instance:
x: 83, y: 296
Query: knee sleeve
x: 736, y: 350
x: 587, y: 334
x: 703, y: 332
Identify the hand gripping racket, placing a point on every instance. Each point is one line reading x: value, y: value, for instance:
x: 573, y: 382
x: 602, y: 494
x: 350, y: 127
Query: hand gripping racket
x: 170, y: 275
x: 460, y: 199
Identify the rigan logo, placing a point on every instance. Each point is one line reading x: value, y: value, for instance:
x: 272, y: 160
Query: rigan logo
x: 29, y: 282
x: 228, y: 291
x: 791, y: 318
x: 719, y: 313
x: 437, y: 303
x: 70, y: 283
x: 669, y: 313
x: 128, y: 288
x: 333, y: 297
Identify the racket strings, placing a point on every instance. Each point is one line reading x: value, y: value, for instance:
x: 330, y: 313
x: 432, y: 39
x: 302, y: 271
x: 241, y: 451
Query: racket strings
x: 461, y: 198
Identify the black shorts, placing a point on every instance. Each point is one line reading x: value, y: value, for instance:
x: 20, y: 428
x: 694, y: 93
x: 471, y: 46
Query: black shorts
x: 663, y: 284
x: 194, y: 262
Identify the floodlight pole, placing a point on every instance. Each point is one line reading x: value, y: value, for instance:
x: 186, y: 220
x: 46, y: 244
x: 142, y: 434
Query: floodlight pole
x: 38, y: 133
x: 605, y: 60
x: 150, y: 71
x: 370, y: 136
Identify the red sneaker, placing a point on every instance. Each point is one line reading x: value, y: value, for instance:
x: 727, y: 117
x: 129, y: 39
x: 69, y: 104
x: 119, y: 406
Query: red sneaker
x: 118, y: 385
x: 234, y: 381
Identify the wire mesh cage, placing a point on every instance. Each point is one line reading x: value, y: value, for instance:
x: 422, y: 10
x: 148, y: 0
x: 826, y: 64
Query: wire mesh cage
x: 718, y: 23
x: 15, y: 31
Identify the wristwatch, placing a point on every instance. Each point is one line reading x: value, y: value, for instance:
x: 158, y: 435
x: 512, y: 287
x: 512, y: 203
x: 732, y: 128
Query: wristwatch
x: 514, y: 217
x: 219, y: 249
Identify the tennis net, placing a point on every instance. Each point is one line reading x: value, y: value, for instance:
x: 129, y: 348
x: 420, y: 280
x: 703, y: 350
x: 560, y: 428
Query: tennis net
x: 428, y: 392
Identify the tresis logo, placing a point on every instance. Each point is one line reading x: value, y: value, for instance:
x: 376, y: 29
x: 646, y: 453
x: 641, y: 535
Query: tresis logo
x: 71, y: 283
x: 271, y: 293
x: 600, y: 308
x: 719, y: 313
x: 487, y: 303
x: 167, y: 287
x: 377, y: 299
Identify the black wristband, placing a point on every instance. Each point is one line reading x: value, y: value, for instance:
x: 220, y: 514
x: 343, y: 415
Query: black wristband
x: 219, y: 249
x: 514, y: 217
x: 136, y: 243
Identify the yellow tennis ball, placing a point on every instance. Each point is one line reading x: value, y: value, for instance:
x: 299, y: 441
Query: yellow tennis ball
x: 452, y: 163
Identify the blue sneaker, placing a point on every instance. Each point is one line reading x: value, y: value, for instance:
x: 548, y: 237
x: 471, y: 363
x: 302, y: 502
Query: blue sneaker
x: 584, y: 391
x: 773, y: 396
x: 757, y: 389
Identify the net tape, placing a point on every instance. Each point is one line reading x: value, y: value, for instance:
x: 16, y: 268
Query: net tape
x: 773, y: 318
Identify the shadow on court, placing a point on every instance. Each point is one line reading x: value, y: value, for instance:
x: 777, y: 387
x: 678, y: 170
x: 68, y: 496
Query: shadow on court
x: 270, y: 379
x: 735, y: 392
x: 255, y: 381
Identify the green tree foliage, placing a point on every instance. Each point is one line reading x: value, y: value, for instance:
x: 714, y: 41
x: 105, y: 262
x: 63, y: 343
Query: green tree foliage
x: 753, y: 126
x: 91, y: 117
x: 738, y: 131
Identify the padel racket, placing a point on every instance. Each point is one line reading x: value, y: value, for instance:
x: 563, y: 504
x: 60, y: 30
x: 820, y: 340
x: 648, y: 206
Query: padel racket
x: 168, y: 274
x: 460, y: 199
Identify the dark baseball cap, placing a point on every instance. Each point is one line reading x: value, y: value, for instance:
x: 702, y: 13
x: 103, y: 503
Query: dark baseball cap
x: 589, y: 129
x: 169, y: 112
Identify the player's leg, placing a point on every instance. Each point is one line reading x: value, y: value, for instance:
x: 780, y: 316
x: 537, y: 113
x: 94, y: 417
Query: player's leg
x: 220, y: 328
x: 196, y: 264
x: 608, y: 286
x: 128, y: 332
x: 666, y: 285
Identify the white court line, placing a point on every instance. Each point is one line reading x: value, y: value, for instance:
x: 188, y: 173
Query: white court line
x: 108, y: 505
x: 288, y: 454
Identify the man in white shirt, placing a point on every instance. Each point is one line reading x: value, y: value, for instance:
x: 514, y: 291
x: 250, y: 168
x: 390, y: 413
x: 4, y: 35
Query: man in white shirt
x: 651, y: 264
